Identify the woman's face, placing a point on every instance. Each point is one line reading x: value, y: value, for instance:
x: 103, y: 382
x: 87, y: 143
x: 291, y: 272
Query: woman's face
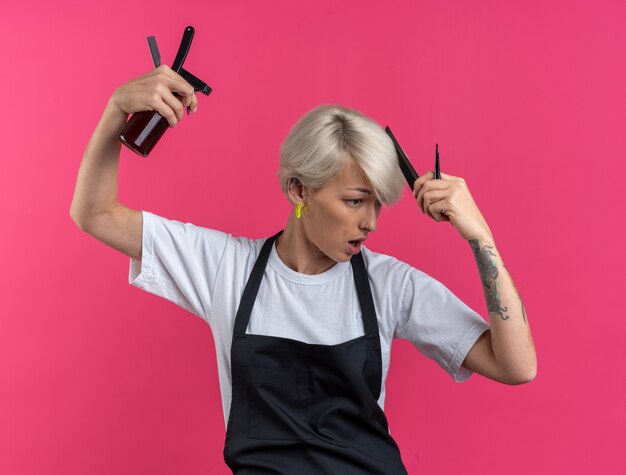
x: 335, y: 216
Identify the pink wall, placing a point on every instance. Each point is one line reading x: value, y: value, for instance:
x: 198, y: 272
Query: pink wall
x: 526, y: 100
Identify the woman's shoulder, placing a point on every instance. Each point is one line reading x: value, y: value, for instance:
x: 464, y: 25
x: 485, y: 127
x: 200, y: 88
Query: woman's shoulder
x: 200, y: 236
x: 378, y: 264
x: 383, y: 266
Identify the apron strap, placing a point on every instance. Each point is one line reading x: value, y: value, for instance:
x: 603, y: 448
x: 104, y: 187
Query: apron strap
x: 252, y: 288
x: 361, y: 281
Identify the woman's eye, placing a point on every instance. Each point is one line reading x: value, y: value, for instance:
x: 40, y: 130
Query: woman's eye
x: 354, y: 202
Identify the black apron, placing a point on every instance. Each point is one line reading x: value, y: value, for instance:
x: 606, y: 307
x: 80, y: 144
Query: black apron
x: 300, y: 408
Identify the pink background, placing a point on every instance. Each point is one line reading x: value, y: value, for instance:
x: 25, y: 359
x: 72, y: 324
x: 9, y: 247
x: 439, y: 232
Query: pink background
x: 526, y: 100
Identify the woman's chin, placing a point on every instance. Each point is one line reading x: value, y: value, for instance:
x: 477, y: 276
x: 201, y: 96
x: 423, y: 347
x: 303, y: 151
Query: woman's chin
x: 344, y: 257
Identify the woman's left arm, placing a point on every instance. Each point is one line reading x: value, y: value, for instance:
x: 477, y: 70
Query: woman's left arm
x: 509, y: 354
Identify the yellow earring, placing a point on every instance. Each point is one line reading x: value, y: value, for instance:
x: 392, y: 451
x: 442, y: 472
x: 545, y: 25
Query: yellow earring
x: 298, y: 210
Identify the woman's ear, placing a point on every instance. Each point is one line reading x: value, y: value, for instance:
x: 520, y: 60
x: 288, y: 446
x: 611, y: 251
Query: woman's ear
x: 297, y: 191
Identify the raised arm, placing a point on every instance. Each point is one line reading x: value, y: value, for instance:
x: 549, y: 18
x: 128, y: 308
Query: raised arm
x: 508, y: 355
x: 505, y: 352
x: 95, y: 208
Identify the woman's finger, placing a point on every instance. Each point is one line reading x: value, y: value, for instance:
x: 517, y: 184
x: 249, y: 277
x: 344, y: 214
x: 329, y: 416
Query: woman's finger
x: 166, y: 111
x: 437, y: 210
x: 190, y: 102
x: 420, y: 182
x: 176, y: 83
x: 182, y: 88
x: 432, y: 196
x: 429, y: 186
x: 431, y: 176
x: 445, y: 176
x: 186, y: 93
x: 175, y: 104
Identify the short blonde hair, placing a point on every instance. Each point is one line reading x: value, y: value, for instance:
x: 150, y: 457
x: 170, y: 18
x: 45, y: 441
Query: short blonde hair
x: 324, y: 139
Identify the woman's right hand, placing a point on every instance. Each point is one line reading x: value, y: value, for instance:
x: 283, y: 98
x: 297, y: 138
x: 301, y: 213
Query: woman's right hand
x: 154, y: 91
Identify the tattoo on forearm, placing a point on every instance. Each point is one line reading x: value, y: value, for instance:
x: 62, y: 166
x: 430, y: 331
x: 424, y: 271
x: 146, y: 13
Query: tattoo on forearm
x: 518, y: 295
x: 488, y: 273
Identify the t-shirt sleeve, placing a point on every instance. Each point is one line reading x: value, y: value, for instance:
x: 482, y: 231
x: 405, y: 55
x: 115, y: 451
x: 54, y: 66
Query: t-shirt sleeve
x: 438, y: 323
x: 179, y: 262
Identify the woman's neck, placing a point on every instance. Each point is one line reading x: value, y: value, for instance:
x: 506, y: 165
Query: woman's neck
x: 300, y: 254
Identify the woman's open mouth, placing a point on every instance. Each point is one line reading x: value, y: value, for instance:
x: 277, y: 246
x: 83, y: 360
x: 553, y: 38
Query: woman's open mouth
x: 355, y: 246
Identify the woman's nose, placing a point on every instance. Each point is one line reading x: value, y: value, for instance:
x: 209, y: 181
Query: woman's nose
x: 370, y: 220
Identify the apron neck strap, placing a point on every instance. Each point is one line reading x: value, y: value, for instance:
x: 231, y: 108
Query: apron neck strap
x: 251, y: 290
x: 361, y: 280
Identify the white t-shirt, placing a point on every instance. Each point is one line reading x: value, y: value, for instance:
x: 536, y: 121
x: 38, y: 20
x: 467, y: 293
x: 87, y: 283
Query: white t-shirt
x: 205, y: 271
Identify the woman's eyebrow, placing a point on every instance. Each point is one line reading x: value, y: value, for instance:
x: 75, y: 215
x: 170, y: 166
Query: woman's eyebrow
x: 362, y: 190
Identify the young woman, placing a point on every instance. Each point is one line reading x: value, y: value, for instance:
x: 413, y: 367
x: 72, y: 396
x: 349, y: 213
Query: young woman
x: 303, y: 321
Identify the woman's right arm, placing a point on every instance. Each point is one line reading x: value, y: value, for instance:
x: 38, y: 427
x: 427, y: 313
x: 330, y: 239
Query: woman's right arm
x: 95, y: 208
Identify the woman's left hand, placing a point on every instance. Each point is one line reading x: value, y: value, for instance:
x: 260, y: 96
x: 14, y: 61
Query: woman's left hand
x: 449, y: 199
